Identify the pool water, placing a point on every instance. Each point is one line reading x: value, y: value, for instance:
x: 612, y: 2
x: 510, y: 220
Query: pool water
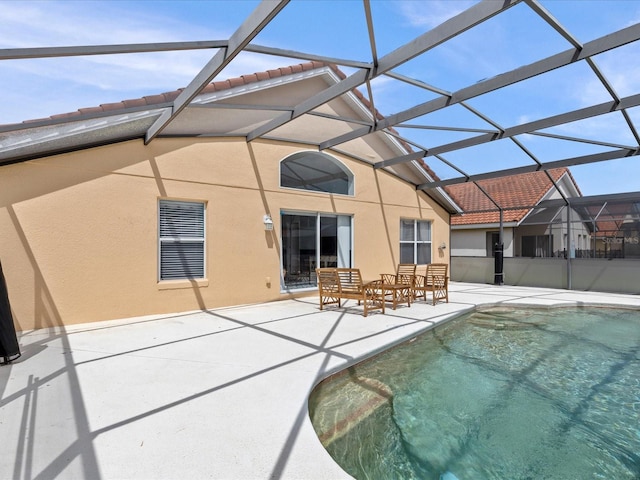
x: 502, y: 393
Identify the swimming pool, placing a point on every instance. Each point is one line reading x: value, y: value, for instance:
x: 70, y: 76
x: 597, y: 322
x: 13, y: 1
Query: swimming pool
x: 501, y: 393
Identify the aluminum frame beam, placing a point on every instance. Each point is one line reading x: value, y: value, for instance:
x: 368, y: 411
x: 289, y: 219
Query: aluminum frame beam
x: 431, y: 39
x: 562, y: 59
x: 253, y: 24
x: 279, y: 52
x: 530, y: 127
x: 598, y: 157
x: 269, y: 9
x: 628, y: 197
x: 553, y: 121
x: 89, y: 50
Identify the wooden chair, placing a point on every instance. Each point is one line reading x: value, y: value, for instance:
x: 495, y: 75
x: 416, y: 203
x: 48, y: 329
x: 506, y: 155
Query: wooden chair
x: 405, y: 274
x: 400, y: 283
x: 328, y: 287
x: 368, y: 294
x: 337, y: 284
x: 434, y: 280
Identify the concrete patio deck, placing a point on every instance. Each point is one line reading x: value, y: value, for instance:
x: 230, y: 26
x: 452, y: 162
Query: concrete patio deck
x: 215, y: 394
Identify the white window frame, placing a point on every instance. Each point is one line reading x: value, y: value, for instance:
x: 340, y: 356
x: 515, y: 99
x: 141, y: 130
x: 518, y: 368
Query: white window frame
x: 415, y: 242
x: 344, y: 260
x: 324, y: 156
x: 185, y: 239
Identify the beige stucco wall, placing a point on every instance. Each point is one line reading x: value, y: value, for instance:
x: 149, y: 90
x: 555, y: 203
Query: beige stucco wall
x: 78, y: 232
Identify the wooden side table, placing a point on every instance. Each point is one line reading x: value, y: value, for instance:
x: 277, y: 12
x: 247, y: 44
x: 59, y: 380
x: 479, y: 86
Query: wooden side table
x: 396, y: 293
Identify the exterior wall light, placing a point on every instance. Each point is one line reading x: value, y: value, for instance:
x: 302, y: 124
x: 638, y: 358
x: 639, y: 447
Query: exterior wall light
x: 442, y: 246
x: 268, y: 223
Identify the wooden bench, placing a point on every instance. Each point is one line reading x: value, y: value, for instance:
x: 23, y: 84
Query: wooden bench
x: 434, y: 280
x: 337, y: 284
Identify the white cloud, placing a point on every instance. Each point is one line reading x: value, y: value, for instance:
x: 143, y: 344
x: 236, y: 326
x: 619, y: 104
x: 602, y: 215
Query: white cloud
x: 610, y: 128
x: 101, y: 78
x: 43, y: 24
x: 622, y: 69
x: 57, y: 23
x: 433, y: 12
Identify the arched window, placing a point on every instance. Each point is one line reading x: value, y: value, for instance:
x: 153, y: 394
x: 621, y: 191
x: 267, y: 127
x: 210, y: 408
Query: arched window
x: 317, y: 172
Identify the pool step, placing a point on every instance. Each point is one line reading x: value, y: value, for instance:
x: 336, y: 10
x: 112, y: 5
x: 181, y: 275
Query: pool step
x: 366, y: 395
x: 502, y: 318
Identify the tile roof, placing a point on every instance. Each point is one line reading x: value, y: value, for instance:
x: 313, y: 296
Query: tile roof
x: 216, y: 86
x: 155, y: 100
x: 509, y: 192
x: 611, y: 219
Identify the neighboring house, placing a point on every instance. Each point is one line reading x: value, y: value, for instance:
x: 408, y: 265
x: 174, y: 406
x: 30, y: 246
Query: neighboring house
x: 617, y: 230
x: 96, y: 223
x: 527, y: 232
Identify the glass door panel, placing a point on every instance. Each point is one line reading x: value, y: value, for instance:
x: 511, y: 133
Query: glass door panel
x: 328, y: 242
x: 311, y: 241
x: 298, y: 250
x: 344, y: 241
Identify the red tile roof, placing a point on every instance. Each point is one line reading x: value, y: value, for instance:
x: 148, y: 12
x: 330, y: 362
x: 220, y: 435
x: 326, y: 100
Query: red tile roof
x: 156, y: 100
x: 525, y: 189
x: 610, y: 219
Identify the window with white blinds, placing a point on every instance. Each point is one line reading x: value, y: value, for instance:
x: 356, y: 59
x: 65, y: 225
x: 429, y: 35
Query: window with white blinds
x: 181, y: 238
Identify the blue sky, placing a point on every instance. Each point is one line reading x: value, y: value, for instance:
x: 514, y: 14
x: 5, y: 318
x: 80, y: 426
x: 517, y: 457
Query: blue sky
x: 39, y: 88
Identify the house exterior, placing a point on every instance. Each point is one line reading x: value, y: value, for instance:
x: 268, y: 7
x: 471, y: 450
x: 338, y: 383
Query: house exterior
x: 96, y: 223
x: 527, y: 232
x: 617, y: 230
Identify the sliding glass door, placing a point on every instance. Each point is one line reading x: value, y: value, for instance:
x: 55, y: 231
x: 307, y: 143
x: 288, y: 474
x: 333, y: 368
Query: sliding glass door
x: 310, y: 241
